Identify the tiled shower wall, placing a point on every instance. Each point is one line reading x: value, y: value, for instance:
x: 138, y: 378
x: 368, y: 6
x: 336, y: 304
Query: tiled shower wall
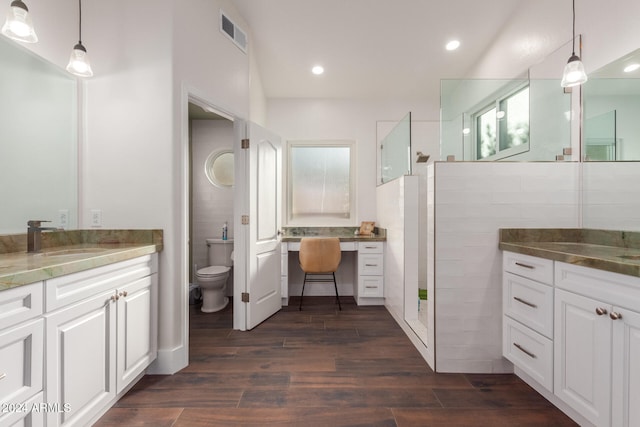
x: 611, y: 195
x: 470, y: 201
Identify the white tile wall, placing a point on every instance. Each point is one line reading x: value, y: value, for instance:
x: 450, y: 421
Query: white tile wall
x: 611, y: 195
x: 211, y: 206
x: 468, y: 203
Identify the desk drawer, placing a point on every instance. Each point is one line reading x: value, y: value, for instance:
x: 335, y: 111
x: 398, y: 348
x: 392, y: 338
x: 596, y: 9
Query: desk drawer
x: 370, y: 264
x: 370, y: 286
x: 370, y: 247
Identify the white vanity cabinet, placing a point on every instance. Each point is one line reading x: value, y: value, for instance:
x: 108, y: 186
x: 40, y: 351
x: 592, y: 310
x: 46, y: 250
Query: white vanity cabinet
x: 98, y: 342
x: 527, y: 301
x: 598, y: 365
x: 595, y: 343
x: 21, y: 355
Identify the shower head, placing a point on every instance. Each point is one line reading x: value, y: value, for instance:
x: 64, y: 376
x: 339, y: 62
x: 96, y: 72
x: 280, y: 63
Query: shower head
x: 422, y: 158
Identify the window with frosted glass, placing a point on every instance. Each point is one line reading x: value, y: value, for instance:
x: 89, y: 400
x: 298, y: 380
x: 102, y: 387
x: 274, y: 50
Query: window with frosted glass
x: 502, y: 127
x: 320, y: 183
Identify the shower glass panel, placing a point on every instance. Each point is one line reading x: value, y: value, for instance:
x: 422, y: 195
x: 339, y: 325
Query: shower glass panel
x: 395, y: 151
x: 600, y: 137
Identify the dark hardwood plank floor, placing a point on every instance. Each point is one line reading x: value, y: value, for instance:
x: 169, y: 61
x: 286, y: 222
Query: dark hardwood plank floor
x: 321, y: 367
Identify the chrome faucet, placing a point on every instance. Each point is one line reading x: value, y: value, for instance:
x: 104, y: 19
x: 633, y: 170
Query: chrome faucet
x: 34, y: 234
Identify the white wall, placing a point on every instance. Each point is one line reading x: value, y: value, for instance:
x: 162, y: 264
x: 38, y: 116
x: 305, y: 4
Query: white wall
x: 471, y: 201
x: 313, y: 119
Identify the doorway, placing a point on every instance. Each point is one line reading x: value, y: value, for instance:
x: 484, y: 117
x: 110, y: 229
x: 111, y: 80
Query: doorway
x: 210, y: 192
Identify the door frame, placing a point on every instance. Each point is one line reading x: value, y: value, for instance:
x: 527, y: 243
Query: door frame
x: 193, y: 96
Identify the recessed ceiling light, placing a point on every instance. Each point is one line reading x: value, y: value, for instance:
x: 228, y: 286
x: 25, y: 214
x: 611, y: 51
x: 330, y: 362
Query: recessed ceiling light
x: 452, y: 45
x: 631, y: 67
x: 317, y: 70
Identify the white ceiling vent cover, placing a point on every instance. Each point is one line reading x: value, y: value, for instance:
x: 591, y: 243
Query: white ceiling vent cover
x: 233, y: 32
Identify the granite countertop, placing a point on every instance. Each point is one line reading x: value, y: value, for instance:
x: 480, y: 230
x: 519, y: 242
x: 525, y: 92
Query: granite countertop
x: 609, y: 250
x: 345, y: 234
x: 66, y: 252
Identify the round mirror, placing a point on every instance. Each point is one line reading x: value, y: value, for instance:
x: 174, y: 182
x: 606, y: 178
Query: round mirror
x: 219, y: 168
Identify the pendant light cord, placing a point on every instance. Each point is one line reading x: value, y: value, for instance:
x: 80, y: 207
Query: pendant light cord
x: 80, y: 21
x: 573, y: 49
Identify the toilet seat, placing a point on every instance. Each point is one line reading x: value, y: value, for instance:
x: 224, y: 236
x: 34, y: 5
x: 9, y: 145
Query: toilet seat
x: 213, y: 270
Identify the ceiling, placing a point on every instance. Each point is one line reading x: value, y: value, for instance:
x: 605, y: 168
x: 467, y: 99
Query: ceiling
x: 370, y: 49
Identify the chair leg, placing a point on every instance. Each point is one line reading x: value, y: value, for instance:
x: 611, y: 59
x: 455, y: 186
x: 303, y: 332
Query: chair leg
x: 302, y: 294
x: 335, y: 285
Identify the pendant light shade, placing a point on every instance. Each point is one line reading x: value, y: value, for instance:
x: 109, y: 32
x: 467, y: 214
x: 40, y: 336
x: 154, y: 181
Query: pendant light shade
x: 18, y: 25
x: 574, y: 73
x: 79, y: 64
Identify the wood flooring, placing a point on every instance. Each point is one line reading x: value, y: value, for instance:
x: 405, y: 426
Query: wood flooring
x: 321, y: 367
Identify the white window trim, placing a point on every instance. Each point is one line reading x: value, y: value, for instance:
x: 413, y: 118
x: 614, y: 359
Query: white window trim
x: 321, y: 221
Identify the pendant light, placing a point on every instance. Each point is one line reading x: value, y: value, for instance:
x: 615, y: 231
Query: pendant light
x: 574, y: 73
x: 18, y: 25
x: 79, y: 62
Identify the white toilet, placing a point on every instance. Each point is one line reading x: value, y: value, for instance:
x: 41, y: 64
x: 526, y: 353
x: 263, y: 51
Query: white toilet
x: 213, y: 279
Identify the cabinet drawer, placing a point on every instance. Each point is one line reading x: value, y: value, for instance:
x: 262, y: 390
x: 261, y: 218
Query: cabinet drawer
x: 65, y: 290
x: 528, y: 302
x: 529, y: 351
x: 370, y: 264
x: 370, y: 247
x: 21, y: 361
x: 20, y: 304
x: 528, y: 266
x: 370, y: 286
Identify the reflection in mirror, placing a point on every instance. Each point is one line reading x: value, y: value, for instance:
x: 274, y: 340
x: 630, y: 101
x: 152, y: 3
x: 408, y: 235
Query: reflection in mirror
x: 38, y: 141
x: 611, y: 111
x: 219, y: 168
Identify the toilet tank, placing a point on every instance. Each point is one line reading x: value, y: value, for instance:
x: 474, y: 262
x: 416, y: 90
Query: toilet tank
x: 219, y: 252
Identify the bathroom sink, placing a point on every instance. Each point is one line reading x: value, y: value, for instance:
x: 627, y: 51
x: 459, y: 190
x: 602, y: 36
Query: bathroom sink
x: 630, y: 257
x: 76, y: 251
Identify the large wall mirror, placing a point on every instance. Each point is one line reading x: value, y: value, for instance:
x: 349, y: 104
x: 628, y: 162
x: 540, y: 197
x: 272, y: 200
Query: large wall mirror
x: 611, y: 129
x: 38, y: 141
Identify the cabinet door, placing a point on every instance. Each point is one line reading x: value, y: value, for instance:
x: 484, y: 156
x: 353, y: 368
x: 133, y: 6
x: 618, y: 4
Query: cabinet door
x: 626, y: 368
x: 81, y: 359
x: 137, y: 331
x: 582, y: 355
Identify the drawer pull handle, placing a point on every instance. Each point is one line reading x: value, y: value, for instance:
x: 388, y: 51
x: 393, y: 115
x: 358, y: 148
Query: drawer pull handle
x: 601, y: 311
x: 528, y: 353
x: 371, y: 265
x: 2, y: 375
x: 371, y: 287
x: 525, y: 265
x: 525, y: 302
x: 615, y: 316
x: 370, y: 247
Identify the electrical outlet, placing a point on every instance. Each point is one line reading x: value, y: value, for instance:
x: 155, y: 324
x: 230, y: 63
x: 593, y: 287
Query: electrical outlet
x: 63, y: 218
x: 96, y: 218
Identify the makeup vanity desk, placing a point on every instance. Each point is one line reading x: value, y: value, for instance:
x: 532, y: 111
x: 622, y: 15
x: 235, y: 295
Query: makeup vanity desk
x: 361, y: 268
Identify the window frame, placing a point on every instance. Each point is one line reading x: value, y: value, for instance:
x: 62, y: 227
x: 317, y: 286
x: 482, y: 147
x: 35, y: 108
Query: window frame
x: 321, y: 220
x: 494, y: 103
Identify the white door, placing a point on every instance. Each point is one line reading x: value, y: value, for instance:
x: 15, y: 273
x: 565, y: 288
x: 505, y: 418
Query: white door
x: 257, y: 284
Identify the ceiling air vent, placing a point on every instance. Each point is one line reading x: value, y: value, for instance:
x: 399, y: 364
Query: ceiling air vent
x: 235, y: 33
